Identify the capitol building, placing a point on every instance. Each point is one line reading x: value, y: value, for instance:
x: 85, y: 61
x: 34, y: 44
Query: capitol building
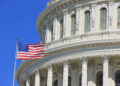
x: 82, y: 45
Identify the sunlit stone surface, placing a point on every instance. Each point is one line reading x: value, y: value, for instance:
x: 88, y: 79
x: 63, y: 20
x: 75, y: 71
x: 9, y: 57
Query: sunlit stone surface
x: 82, y: 45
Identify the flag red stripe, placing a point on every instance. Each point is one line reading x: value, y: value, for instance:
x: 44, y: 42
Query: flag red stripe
x: 29, y: 56
x: 31, y: 53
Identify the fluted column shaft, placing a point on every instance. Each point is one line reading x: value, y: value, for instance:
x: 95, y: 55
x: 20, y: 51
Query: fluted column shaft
x: 84, y: 71
x: 105, y: 70
x: 28, y: 82
x: 65, y: 74
x: 49, y: 76
x: 37, y: 79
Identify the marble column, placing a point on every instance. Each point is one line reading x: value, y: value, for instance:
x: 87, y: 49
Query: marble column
x: 49, y: 76
x: 28, y: 82
x: 37, y: 78
x: 105, y: 70
x: 65, y: 74
x: 84, y: 71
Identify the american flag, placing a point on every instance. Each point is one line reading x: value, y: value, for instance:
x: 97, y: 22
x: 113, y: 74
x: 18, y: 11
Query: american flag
x: 30, y: 51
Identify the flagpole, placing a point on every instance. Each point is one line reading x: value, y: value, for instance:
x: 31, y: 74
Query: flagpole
x: 15, y: 63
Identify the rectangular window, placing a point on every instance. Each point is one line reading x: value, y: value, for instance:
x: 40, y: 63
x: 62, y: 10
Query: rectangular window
x: 103, y: 20
x: 61, y: 28
x: 87, y: 21
x: 73, y: 24
x: 52, y: 34
x: 119, y: 17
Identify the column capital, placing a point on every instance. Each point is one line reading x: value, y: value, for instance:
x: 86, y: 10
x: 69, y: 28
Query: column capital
x: 49, y: 66
x: 105, y: 57
x: 37, y: 70
x: 84, y: 59
x: 65, y: 12
x: 66, y: 62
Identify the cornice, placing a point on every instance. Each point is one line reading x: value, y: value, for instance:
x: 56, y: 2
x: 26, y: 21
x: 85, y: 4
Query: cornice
x: 109, y: 47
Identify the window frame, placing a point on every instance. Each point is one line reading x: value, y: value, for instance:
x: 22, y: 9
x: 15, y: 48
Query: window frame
x: 87, y: 21
x: 103, y: 22
x: 73, y: 24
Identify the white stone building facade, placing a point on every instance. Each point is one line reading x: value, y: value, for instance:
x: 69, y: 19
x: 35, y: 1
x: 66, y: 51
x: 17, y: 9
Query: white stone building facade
x: 82, y: 45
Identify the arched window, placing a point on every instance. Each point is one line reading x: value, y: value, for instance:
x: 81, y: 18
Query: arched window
x: 87, y: 21
x: 73, y: 24
x: 118, y: 17
x: 52, y: 37
x: 99, y: 79
x: 69, y: 81
x: 117, y: 78
x: 80, y: 80
x: 103, y: 18
x: 55, y: 83
x: 61, y: 28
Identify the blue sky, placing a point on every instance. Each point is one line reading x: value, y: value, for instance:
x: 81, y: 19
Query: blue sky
x: 17, y: 20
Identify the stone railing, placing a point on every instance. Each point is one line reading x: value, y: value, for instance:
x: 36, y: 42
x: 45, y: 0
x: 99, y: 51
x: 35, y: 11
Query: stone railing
x: 83, y: 38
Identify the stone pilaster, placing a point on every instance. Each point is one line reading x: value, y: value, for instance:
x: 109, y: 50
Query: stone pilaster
x: 37, y: 78
x: 65, y: 73
x: 84, y: 71
x: 97, y: 23
x: 82, y: 21
x: 110, y: 15
x: 55, y: 29
x: 78, y: 21
x: 105, y: 70
x: 66, y: 24
x: 49, y: 76
x: 93, y: 17
x: 48, y: 34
